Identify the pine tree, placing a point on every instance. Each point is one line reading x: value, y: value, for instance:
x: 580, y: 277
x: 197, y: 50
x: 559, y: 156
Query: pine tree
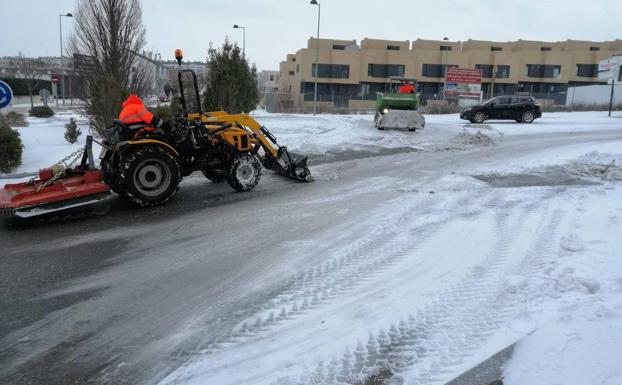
x: 231, y: 84
x: 72, y: 131
x: 10, y: 147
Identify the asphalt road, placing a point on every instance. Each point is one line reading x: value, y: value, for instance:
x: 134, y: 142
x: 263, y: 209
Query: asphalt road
x: 127, y: 296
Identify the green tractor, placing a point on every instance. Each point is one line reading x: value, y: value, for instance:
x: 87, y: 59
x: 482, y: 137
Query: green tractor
x: 396, y: 109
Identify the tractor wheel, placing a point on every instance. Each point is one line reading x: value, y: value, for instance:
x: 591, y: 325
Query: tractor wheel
x: 149, y: 176
x: 214, y: 169
x: 110, y: 174
x: 244, y: 172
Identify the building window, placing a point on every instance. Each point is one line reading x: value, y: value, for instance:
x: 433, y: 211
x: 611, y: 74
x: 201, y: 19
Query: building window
x: 435, y: 70
x: 497, y: 72
x: 339, y: 94
x: 546, y: 49
x: 594, y: 48
x: 486, y: 70
x: 445, y: 48
x: 496, y: 49
x: 393, y: 47
x: 293, y: 59
x: 297, y: 68
x: 543, y: 70
x: 385, y: 70
x: 503, y: 71
x: 334, y: 71
x: 291, y: 73
x: 271, y: 78
x: 587, y: 70
x: 339, y: 47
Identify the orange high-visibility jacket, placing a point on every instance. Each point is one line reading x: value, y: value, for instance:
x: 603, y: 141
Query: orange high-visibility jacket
x: 134, y: 112
x: 407, y: 89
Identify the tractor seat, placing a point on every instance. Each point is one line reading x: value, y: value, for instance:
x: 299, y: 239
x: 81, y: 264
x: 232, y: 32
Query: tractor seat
x: 131, y: 127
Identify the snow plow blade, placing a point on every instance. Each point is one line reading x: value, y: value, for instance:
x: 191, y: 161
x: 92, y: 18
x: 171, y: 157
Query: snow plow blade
x: 401, y: 119
x: 288, y: 164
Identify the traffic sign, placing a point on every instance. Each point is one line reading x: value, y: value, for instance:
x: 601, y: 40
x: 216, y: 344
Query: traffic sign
x: 55, y: 79
x: 6, y: 94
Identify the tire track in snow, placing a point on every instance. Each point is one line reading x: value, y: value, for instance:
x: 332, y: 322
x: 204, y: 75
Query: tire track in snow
x: 443, y: 333
x: 428, y: 325
x: 349, y: 268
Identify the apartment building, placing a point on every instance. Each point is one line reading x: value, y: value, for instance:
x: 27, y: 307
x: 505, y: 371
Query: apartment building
x: 349, y: 74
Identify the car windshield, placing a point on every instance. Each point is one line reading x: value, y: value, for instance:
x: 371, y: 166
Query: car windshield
x: 489, y: 100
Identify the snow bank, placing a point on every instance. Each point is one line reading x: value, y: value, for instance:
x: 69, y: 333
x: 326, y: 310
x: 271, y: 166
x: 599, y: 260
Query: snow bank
x: 597, y: 165
x: 577, y: 305
x: 466, y: 138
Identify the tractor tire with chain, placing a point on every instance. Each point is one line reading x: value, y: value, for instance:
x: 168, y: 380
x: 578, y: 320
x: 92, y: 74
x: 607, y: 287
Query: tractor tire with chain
x: 149, y: 176
x: 243, y: 172
x: 214, y: 169
x: 110, y: 175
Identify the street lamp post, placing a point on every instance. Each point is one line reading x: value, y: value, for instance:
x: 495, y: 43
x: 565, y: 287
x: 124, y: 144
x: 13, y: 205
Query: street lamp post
x: 317, y: 55
x: 445, y: 72
x: 243, y: 39
x: 62, y: 64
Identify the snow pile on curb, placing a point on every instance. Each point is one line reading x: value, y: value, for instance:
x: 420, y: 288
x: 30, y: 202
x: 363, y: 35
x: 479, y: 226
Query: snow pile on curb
x: 596, y: 165
x: 466, y: 138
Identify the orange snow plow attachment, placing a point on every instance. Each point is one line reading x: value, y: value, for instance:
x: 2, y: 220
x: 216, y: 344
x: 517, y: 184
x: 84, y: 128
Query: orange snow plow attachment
x: 55, y: 189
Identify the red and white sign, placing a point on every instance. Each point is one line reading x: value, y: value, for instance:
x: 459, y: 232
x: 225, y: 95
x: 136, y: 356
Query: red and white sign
x: 464, y: 82
x: 464, y: 75
x: 610, y: 68
x: 55, y: 79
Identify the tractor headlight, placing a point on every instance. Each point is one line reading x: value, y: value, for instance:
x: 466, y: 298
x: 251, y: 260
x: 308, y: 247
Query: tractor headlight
x: 385, y: 110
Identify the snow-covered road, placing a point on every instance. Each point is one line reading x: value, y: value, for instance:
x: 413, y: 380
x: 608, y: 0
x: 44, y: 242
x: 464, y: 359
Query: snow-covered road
x: 399, y: 265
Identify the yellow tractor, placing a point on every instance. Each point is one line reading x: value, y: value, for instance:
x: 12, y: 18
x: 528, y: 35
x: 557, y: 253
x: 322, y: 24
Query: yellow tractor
x: 146, y: 166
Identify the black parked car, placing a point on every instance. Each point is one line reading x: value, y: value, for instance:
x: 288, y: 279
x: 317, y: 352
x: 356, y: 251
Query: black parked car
x: 523, y: 109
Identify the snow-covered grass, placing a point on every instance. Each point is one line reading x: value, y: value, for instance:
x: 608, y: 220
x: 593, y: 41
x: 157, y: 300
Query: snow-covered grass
x: 45, y: 144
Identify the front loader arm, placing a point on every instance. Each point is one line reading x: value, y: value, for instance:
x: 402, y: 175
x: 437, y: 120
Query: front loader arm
x: 277, y: 158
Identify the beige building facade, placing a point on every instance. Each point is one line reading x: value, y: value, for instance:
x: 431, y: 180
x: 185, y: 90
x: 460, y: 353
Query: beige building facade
x: 350, y: 74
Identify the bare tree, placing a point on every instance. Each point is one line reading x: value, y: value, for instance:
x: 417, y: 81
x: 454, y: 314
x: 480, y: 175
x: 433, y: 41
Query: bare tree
x: 106, y: 31
x: 30, y: 72
x: 142, y: 77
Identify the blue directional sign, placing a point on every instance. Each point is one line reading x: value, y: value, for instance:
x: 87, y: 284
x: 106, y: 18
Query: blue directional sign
x: 6, y: 94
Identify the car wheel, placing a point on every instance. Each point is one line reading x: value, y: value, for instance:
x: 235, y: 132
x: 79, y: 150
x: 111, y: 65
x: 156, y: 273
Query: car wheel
x: 479, y: 117
x: 528, y: 117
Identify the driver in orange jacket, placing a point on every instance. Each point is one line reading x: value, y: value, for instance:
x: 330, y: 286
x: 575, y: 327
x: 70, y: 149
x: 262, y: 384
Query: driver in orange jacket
x: 135, y: 113
x: 407, y: 88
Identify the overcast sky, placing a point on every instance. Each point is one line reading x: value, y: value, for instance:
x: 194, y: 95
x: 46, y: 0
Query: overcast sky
x: 275, y: 28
